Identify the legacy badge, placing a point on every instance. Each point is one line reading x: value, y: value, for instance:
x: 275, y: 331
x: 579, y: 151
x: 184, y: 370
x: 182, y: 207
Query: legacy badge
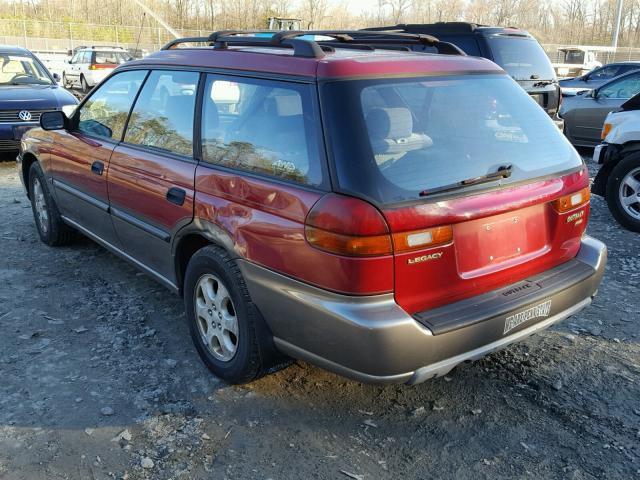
x: 519, y: 318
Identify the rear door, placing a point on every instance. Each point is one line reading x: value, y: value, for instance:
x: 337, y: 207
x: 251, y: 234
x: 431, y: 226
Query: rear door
x: 152, y: 171
x: 80, y: 157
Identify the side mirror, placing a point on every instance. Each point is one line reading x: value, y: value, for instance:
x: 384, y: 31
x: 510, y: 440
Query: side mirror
x: 56, y: 77
x: 593, y: 93
x: 56, y: 120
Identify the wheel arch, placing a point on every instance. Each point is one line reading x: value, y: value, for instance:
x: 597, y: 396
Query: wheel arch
x: 613, y: 157
x: 28, y: 159
x: 197, y: 235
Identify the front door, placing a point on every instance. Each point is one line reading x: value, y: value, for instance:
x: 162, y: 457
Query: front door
x: 80, y: 157
x: 151, y: 174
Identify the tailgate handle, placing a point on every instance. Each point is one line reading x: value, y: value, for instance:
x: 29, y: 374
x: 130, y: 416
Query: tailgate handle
x: 176, y: 195
x: 97, y: 168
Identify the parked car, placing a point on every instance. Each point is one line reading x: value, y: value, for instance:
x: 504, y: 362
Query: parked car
x: 513, y: 49
x: 584, y: 113
x: 27, y: 89
x: 579, y: 60
x: 596, y: 77
x: 386, y: 216
x: 618, y: 180
x: 90, y: 65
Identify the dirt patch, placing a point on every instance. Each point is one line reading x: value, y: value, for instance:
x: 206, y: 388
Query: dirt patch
x: 99, y: 380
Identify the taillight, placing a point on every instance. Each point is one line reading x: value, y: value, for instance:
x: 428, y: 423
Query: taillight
x: 347, y: 226
x: 605, y: 130
x: 572, y: 201
x: 353, y: 227
x: 101, y: 66
x: 418, y: 239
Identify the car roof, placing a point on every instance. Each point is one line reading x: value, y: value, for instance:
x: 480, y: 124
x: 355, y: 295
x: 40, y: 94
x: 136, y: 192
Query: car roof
x: 340, y: 63
x: 459, y: 28
x: 14, y: 49
x: 615, y: 79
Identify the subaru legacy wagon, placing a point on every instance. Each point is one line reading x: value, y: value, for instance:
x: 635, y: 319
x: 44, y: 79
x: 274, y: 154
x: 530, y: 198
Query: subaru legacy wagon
x: 381, y: 213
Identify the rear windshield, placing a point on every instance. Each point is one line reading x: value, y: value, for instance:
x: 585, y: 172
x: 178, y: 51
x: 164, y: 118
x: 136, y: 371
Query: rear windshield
x: 393, y: 139
x: 522, y: 58
x: 112, y: 57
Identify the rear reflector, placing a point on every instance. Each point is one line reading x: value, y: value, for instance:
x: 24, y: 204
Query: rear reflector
x: 572, y: 201
x: 352, y: 246
x: 431, y: 237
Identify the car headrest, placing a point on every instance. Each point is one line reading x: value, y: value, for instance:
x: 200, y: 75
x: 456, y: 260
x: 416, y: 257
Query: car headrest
x: 391, y: 123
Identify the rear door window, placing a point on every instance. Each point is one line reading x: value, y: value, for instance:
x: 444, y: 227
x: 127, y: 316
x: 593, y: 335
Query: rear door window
x: 261, y: 126
x: 105, y: 112
x: 162, y: 118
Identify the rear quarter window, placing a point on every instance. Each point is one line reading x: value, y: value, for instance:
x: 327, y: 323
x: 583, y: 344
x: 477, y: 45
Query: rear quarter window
x: 262, y: 126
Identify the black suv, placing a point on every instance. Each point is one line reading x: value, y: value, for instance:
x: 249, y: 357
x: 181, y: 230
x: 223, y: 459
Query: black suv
x: 515, y: 50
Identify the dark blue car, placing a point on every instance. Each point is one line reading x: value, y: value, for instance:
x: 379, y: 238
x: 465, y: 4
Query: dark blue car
x: 26, y: 90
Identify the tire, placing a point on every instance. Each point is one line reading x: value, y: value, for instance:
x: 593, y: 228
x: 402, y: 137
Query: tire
x: 623, y: 192
x: 65, y: 82
x: 238, y: 357
x: 84, y: 86
x: 51, y: 229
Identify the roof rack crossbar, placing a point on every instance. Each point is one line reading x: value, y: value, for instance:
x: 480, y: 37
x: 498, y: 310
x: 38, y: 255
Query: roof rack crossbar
x: 305, y: 47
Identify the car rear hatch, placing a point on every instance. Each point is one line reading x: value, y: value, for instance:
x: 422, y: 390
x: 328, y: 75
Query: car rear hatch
x: 478, y: 187
x: 523, y: 58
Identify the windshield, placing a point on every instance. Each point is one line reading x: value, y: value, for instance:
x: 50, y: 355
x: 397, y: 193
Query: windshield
x: 574, y: 56
x: 16, y: 69
x: 522, y: 58
x: 112, y: 57
x: 425, y: 133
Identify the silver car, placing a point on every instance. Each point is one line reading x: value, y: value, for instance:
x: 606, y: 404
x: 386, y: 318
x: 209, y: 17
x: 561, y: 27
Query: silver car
x: 90, y: 65
x: 585, y: 112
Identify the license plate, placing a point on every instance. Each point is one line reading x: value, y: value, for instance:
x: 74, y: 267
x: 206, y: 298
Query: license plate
x: 19, y: 131
x: 539, y: 311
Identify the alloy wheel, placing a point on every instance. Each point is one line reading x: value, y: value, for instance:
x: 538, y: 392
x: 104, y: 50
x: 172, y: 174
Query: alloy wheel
x: 629, y: 193
x: 40, y: 202
x: 216, y: 317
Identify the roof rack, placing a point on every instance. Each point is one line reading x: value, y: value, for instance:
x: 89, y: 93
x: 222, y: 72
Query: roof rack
x: 304, y: 47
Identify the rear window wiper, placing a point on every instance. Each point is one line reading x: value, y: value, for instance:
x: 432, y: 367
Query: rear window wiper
x: 504, y: 171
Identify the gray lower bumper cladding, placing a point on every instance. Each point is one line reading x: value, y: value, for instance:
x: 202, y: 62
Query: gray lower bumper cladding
x: 372, y: 339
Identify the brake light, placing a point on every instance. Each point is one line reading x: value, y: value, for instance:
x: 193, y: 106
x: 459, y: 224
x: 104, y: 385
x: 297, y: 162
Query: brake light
x: 101, y: 66
x: 605, y: 130
x: 572, y: 201
x: 417, y: 239
x: 347, y: 226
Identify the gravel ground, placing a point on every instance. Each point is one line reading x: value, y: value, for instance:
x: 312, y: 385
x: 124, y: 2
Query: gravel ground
x: 99, y: 380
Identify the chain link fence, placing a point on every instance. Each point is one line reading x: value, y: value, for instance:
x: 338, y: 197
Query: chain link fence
x: 59, y: 37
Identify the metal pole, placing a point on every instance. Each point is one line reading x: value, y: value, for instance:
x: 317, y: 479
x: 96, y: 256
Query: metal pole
x: 616, y: 29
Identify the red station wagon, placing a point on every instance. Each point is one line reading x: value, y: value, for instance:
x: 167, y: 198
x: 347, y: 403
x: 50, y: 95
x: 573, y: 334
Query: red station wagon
x: 381, y: 213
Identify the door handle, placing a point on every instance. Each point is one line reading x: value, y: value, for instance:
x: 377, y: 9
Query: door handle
x: 176, y: 195
x: 97, y: 168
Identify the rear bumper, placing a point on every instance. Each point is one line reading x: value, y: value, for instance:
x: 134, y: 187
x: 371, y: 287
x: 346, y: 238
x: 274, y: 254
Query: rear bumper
x: 372, y: 339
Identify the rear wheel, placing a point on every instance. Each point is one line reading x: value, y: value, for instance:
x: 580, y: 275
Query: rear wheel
x: 223, y: 321
x: 84, y: 86
x: 51, y: 229
x: 623, y: 192
x: 65, y: 82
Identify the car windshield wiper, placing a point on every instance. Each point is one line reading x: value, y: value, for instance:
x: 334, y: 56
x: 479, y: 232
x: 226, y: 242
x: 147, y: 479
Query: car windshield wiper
x: 504, y: 171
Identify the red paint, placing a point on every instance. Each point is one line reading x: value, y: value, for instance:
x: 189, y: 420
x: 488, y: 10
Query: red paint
x: 265, y: 223
x: 342, y: 63
x: 481, y: 259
